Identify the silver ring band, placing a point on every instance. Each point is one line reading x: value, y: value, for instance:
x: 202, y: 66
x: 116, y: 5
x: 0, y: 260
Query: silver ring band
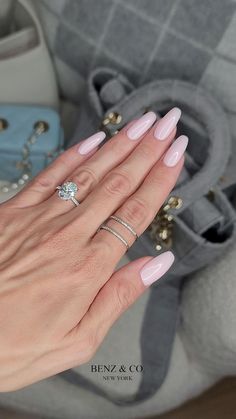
x: 115, y: 233
x: 125, y: 224
x: 75, y: 202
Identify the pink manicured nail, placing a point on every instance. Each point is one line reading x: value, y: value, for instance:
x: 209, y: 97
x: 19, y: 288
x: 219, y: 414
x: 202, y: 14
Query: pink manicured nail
x: 175, y: 152
x: 156, y: 268
x: 167, y: 124
x: 90, y: 143
x: 141, y: 126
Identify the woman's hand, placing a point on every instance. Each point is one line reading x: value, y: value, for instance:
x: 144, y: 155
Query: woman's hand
x: 59, y: 294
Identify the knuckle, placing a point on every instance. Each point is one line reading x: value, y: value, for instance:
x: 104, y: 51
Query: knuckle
x: 159, y: 185
x: 85, y: 178
x: 116, y: 145
x: 171, y: 178
x: 117, y: 183
x: 135, y: 211
x: 145, y: 151
x: 161, y: 177
x: 42, y: 182
x: 125, y: 295
x: 63, y: 160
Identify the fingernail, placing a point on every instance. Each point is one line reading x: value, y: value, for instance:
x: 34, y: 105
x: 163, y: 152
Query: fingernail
x: 176, y: 151
x: 92, y: 142
x: 156, y: 268
x: 167, y: 124
x: 141, y: 126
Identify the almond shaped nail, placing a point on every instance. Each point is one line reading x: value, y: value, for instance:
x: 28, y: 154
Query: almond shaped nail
x: 141, y: 126
x: 176, y: 151
x: 92, y: 142
x: 166, y: 125
x: 156, y: 268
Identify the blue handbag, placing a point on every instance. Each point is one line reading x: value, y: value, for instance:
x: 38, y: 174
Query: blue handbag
x: 30, y: 138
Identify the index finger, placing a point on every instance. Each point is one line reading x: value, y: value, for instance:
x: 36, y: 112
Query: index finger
x: 45, y: 183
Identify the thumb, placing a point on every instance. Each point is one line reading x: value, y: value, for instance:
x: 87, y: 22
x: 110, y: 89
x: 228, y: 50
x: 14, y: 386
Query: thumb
x: 122, y: 290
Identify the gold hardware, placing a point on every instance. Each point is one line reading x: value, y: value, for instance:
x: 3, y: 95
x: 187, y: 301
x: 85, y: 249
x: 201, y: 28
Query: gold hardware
x: 161, y: 229
x: 175, y: 202
x: 41, y: 126
x: 211, y: 195
x: 112, y: 118
x: 106, y: 121
x: 3, y: 124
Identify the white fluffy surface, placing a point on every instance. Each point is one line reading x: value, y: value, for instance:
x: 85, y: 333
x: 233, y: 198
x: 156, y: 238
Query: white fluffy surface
x: 209, y: 316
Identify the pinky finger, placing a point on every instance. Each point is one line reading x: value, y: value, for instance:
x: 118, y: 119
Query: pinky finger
x: 120, y: 292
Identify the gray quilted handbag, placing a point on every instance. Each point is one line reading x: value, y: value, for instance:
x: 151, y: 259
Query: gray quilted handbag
x: 197, y: 221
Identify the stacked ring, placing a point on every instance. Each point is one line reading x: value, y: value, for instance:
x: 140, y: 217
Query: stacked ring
x: 115, y: 233
x: 67, y: 192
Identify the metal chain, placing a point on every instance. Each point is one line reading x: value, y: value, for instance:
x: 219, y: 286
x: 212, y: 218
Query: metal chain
x: 25, y: 163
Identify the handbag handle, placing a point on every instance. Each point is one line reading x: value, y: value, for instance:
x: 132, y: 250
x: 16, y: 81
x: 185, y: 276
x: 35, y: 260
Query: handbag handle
x: 30, y: 9
x: 193, y: 100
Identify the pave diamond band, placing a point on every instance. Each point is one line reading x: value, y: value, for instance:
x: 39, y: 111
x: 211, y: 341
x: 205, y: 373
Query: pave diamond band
x: 67, y: 192
x: 115, y: 233
x: 125, y: 224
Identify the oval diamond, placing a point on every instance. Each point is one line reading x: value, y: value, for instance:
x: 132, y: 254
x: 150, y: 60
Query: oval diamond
x: 67, y: 190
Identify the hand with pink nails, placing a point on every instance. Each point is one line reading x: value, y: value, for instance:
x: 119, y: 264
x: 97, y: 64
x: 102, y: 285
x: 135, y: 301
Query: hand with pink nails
x: 62, y: 237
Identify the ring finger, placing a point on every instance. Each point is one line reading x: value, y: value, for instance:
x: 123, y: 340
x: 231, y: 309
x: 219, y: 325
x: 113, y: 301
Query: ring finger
x: 141, y: 207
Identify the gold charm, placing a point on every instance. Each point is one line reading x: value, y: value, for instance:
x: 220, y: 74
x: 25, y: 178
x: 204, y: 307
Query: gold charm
x: 161, y: 229
x: 3, y: 124
x: 112, y: 118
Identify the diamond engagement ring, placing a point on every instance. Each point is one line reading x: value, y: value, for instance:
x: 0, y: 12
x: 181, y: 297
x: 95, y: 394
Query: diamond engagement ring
x: 67, y: 192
